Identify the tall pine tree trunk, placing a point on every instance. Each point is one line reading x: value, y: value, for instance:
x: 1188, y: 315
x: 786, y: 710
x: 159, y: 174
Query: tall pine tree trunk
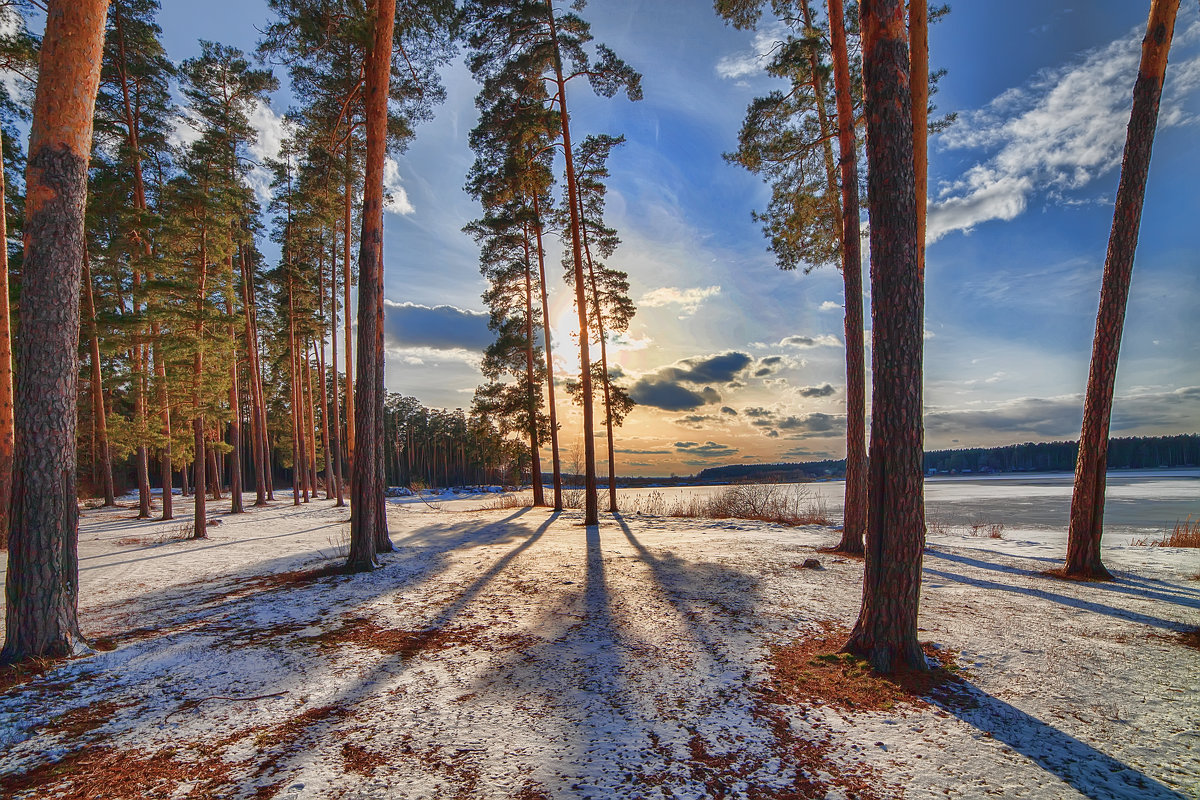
x: 590, y: 510
x: 335, y: 453
x: 6, y: 374
x: 256, y: 432
x: 99, y: 417
x: 918, y: 35
x: 165, y: 471
x: 854, y: 515
x: 1087, y: 500
x: 42, y: 583
x: 235, y: 410
x: 535, y: 463
x: 331, y: 480
x: 541, y: 253
x: 368, y: 520
x: 199, y: 487
x: 347, y: 238
x: 310, y: 423
x: 886, y: 631
x: 608, y: 415
x: 299, y: 471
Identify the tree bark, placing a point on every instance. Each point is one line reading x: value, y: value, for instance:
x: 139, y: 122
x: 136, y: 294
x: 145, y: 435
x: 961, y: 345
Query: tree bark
x: 235, y: 410
x: 886, y: 631
x: 918, y: 35
x: 368, y: 520
x: 41, y: 589
x: 346, y: 274
x: 299, y: 470
x: 535, y: 463
x: 1087, y: 499
x: 99, y: 417
x: 590, y: 505
x: 6, y: 374
x: 335, y: 453
x: 310, y: 420
x: 256, y: 432
x: 854, y: 517
x: 541, y: 253
x: 200, y: 510
x: 608, y: 416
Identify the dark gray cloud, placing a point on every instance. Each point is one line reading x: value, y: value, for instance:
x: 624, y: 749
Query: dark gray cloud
x: 815, y: 424
x: 667, y: 395
x: 665, y: 387
x: 818, y: 391
x: 706, y: 450
x: 730, y: 411
x: 436, y: 327
x: 698, y: 421
x: 643, y: 452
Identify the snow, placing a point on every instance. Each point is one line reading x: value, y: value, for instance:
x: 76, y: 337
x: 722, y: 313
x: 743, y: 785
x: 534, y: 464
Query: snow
x: 511, y: 652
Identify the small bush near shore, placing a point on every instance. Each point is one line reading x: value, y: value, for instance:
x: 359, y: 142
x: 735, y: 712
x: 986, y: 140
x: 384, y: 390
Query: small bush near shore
x: 785, y: 504
x: 1186, y: 534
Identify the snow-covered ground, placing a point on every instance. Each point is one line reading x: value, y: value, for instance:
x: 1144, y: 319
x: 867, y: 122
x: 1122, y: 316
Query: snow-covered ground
x: 513, y: 653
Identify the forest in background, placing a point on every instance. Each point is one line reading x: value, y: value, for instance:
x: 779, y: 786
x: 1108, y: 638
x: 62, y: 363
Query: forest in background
x: 1131, y: 452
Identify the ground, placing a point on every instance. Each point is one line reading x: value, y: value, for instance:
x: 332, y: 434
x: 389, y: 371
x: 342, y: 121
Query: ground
x: 513, y: 653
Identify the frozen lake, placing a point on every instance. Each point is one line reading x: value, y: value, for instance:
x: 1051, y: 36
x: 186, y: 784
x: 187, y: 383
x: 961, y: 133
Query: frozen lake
x: 1138, y: 503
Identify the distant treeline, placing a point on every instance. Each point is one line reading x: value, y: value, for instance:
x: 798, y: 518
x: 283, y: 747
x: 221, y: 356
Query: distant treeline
x: 1134, y: 452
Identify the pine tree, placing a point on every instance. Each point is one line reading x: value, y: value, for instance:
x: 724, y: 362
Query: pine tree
x: 43, y: 564
x: 886, y: 631
x: 611, y: 307
x: 515, y: 40
x: 1087, y: 500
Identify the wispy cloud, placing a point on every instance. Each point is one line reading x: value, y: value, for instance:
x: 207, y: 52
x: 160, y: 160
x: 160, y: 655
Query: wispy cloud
x: 688, y: 300
x: 395, y: 197
x: 754, y: 61
x: 1055, y: 135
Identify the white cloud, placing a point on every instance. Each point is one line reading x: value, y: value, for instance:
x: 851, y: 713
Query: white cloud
x: 271, y: 130
x: 830, y: 305
x: 688, y: 300
x: 1056, y: 135
x: 753, y: 62
x: 396, y: 198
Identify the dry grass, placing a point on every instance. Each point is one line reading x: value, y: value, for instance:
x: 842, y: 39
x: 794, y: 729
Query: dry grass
x: 990, y: 530
x: 1186, y: 534
x: 784, y: 504
x: 506, y: 501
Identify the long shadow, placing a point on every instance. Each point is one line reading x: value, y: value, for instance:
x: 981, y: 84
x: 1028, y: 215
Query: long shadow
x: 198, y: 545
x: 667, y: 575
x: 1119, y: 586
x: 1092, y: 773
x: 1073, y: 602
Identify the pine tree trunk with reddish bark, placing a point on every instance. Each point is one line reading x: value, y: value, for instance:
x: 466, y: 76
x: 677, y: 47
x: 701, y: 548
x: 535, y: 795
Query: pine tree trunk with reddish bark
x: 1087, y: 500
x: 335, y: 453
x: 368, y: 520
x: 541, y: 253
x: 854, y: 516
x: 235, y: 410
x: 347, y: 238
x: 99, y: 417
x: 256, y: 433
x: 886, y: 631
x: 42, y: 583
x: 590, y: 504
x: 6, y: 376
x: 535, y: 459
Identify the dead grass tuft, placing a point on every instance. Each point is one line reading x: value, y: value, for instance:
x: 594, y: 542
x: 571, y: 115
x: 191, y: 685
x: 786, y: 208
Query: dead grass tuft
x: 783, y: 504
x: 19, y: 674
x: 1185, y: 534
x: 506, y: 501
x: 814, y: 671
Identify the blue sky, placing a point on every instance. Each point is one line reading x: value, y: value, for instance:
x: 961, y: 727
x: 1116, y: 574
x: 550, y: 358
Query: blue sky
x: 736, y: 361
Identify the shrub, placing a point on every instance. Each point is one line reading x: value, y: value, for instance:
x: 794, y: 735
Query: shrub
x: 1186, y: 534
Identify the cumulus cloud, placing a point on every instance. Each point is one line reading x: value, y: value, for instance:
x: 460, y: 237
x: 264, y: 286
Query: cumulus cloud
x: 807, y: 342
x: 1053, y: 136
x: 395, y: 198
x: 814, y: 424
x: 410, y: 325
x: 829, y: 305
x: 688, y: 300
x: 665, y: 395
x: 665, y: 388
x: 270, y: 130
x: 730, y: 411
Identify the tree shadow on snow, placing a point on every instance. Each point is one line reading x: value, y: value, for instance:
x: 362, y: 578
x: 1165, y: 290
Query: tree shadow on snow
x: 1165, y: 593
x: 1095, y: 775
